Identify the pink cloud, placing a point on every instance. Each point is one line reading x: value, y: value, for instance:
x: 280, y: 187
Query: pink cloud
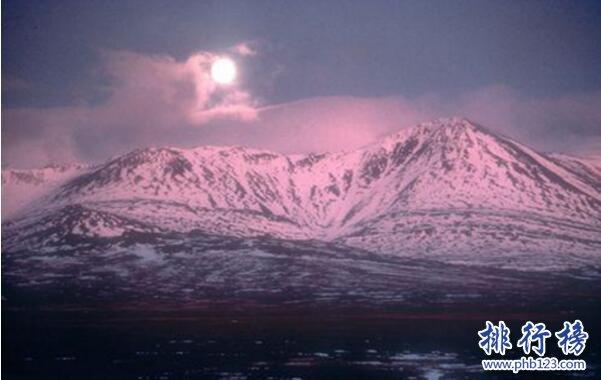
x: 36, y: 136
x: 569, y: 123
x: 333, y: 123
x: 245, y: 49
x: 148, y: 97
x: 181, y: 91
x: 159, y: 101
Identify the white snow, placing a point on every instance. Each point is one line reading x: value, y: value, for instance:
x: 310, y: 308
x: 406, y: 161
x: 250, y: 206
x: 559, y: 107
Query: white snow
x: 446, y: 189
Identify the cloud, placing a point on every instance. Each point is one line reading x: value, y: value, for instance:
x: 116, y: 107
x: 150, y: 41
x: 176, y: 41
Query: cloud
x: 563, y: 123
x: 245, y: 49
x: 333, y: 123
x: 570, y: 123
x: 36, y: 136
x: 148, y: 96
x: 159, y: 83
x: 159, y: 101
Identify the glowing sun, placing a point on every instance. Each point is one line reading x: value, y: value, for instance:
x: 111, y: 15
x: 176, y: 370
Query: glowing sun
x: 223, y: 71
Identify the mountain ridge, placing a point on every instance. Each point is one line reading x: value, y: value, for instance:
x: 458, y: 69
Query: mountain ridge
x: 438, y: 188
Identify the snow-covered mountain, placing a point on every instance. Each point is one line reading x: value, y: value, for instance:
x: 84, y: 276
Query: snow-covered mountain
x: 447, y: 190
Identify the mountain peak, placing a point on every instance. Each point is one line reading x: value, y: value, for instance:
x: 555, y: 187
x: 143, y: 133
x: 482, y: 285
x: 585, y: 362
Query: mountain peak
x: 438, y: 187
x: 452, y: 122
x: 454, y: 130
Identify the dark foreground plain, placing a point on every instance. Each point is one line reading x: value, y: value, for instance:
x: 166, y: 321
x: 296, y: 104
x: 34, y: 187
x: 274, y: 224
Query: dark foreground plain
x: 429, y: 336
